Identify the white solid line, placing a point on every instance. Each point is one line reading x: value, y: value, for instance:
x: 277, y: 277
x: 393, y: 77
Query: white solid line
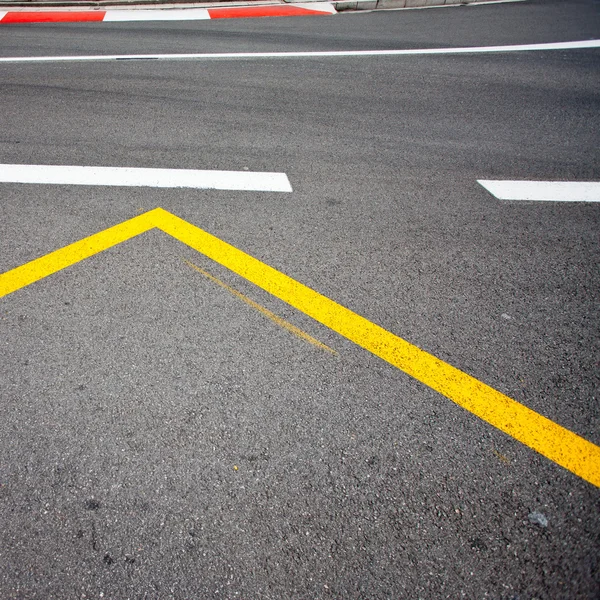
x: 181, y: 14
x: 544, y: 191
x: 162, y: 178
x: 585, y: 44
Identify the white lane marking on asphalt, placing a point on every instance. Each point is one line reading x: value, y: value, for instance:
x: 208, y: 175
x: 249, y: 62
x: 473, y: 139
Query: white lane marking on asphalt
x: 580, y: 45
x: 135, y: 177
x: 543, y: 191
x: 178, y: 14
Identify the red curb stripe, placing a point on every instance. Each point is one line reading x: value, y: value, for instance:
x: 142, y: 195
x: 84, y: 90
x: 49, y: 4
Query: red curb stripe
x: 262, y: 11
x: 284, y: 10
x: 53, y: 17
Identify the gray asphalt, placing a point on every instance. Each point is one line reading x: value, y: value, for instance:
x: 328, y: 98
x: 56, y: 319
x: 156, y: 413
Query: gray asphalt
x: 161, y: 439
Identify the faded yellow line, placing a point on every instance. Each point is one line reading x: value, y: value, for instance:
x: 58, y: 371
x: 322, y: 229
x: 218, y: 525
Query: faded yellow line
x: 265, y: 311
x: 39, y: 268
x: 560, y: 445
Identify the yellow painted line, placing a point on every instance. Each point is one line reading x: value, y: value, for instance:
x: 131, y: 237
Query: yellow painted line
x: 560, y: 445
x: 532, y: 429
x: 37, y: 269
x: 265, y: 311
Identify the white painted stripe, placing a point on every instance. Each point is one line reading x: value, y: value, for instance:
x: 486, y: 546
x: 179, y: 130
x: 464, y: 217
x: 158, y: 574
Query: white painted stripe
x: 178, y: 14
x: 585, y: 44
x: 162, y: 178
x: 2, y: 14
x: 544, y: 191
x: 326, y: 7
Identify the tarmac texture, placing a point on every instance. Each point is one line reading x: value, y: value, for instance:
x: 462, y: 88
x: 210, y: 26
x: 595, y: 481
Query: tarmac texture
x: 162, y: 438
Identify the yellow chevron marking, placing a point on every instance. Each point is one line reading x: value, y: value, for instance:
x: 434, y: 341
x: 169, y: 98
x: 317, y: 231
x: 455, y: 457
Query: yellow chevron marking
x: 560, y: 445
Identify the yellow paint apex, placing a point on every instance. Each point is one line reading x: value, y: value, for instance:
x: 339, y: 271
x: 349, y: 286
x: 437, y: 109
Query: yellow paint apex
x: 560, y: 445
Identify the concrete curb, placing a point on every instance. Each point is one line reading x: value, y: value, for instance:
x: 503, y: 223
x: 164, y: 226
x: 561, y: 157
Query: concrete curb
x: 340, y: 5
x: 130, y: 4
x: 383, y: 4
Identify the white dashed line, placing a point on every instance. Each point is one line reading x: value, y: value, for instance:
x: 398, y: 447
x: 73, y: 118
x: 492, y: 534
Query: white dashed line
x: 135, y: 177
x: 544, y: 191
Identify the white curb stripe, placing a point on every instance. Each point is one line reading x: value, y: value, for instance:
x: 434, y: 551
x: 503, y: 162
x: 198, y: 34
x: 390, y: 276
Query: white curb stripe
x: 580, y: 45
x: 178, y: 14
x: 543, y: 191
x: 161, y: 178
x: 161, y: 14
x: 326, y: 7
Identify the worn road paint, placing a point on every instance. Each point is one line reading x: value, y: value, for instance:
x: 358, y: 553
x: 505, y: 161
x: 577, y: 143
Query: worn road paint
x: 142, y: 177
x: 543, y: 191
x: 501, y: 456
x: 265, y: 311
x: 579, y: 45
x: 560, y: 445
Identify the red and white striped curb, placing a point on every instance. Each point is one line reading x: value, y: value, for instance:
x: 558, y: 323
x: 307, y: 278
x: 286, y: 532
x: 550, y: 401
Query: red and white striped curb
x: 178, y: 14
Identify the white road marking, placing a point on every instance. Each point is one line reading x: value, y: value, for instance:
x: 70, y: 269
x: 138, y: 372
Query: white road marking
x: 580, y: 45
x: 544, y: 191
x: 326, y: 7
x: 177, y: 14
x: 162, y: 178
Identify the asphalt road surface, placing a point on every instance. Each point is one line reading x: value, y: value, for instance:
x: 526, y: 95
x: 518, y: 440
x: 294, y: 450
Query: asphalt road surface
x: 164, y: 437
